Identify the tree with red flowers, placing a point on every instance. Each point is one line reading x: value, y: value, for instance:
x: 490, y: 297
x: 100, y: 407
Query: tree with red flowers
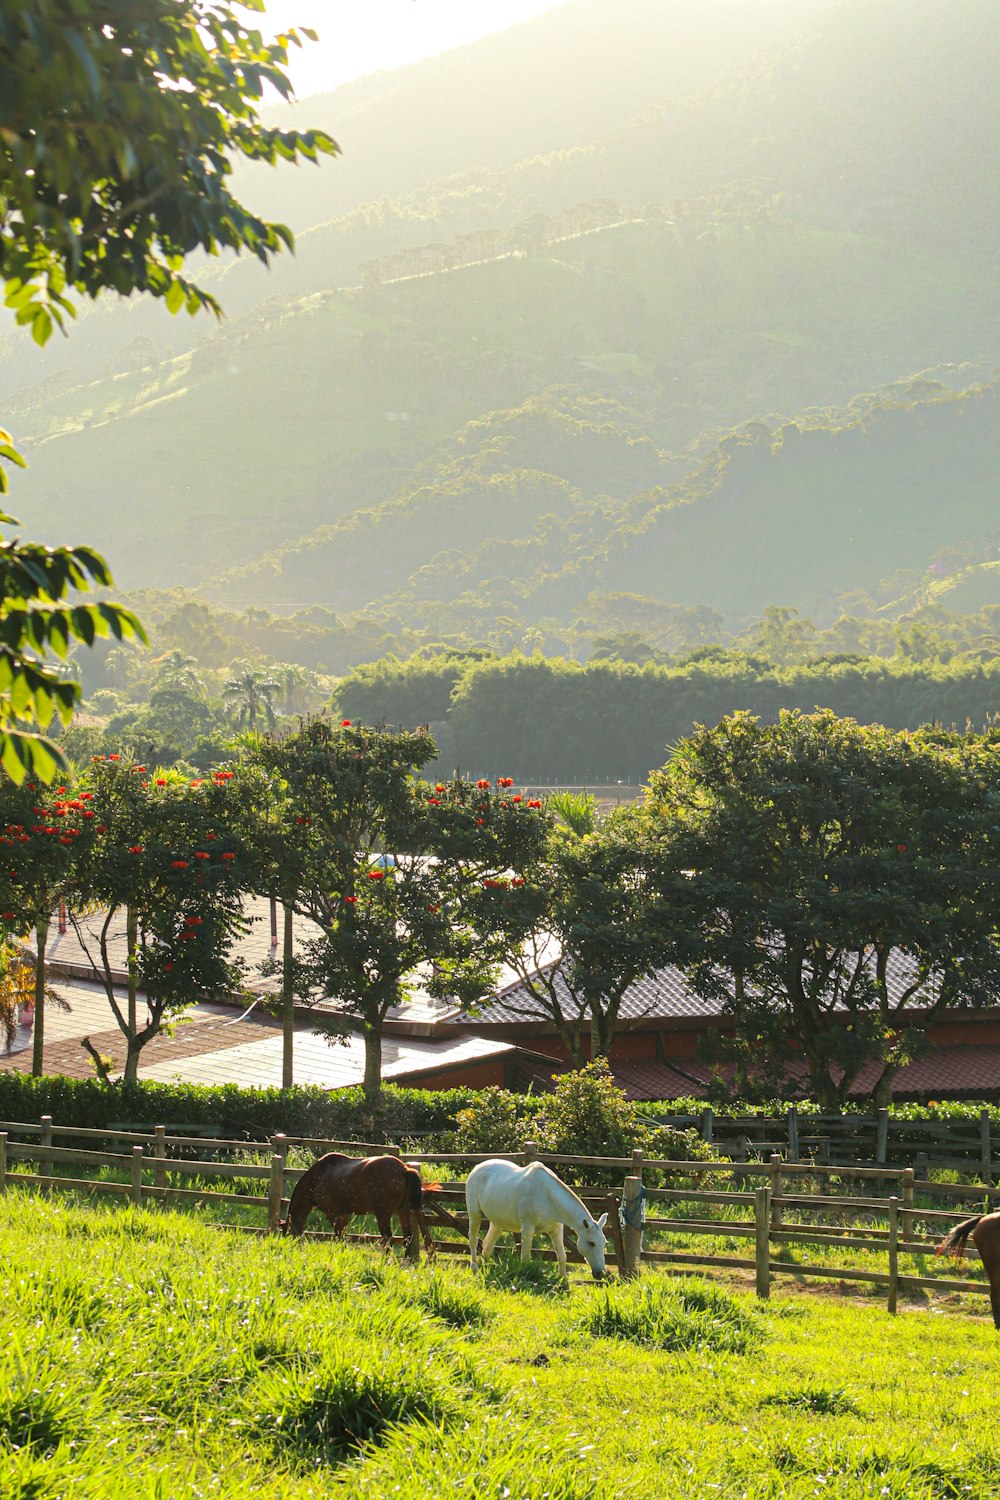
x: 164, y: 873
x: 44, y: 836
x: 411, y: 884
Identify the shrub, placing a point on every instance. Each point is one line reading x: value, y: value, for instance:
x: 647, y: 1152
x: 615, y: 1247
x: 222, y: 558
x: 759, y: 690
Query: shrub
x: 494, y: 1121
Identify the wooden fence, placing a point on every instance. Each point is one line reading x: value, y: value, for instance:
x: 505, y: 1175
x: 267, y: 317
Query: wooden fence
x: 963, y: 1143
x: 881, y: 1201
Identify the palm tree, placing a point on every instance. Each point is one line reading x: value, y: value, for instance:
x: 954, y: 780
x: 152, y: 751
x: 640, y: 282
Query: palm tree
x: 175, y: 669
x: 247, y: 696
x: 577, y: 811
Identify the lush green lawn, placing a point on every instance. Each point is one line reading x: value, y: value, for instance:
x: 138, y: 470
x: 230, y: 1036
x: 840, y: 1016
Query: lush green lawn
x: 148, y: 1354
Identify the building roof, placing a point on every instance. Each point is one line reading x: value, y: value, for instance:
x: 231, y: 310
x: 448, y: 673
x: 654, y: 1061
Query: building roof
x: 949, y: 1071
x: 664, y: 995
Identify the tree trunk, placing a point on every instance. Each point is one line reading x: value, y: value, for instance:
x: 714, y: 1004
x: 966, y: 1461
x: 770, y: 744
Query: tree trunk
x: 373, y: 1065
x: 287, y: 1004
x: 132, y: 943
x: 38, y: 1041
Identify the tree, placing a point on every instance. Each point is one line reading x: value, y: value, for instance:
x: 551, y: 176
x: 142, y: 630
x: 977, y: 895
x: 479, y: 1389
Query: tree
x: 248, y: 694
x: 165, y: 863
x: 119, y: 126
x: 43, y: 840
x: 606, y: 918
x: 838, y: 887
x: 122, y: 123
x: 409, y: 883
x: 37, y: 624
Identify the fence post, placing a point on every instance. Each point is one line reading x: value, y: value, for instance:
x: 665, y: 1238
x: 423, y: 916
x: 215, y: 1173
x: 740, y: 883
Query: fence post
x: 279, y: 1144
x: 530, y: 1152
x: 633, y: 1226
x: 44, y: 1148
x: 615, y: 1230
x: 275, y: 1192
x: 908, y: 1176
x: 160, y: 1153
x: 986, y: 1147
x: 793, y: 1133
x: 893, y: 1253
x: 136, y: 1188
x: 3, y: 1161
x: 637, y: 1164
x: 881, y: 1137
x: 762, y: 1212
x: 922, y: 1165
x: 707, y: 1125
x: 775, y: 1191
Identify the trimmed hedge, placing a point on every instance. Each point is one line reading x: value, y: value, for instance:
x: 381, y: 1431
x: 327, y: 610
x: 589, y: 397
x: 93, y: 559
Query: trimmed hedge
x: 251, y: 1114
x: 256, y: 1114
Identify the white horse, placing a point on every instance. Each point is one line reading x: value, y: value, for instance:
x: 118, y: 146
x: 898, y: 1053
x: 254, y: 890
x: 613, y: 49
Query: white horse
x: 526, y: 1199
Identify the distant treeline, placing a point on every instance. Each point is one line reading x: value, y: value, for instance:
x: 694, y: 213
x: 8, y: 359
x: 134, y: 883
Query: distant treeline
x: 543, y: 719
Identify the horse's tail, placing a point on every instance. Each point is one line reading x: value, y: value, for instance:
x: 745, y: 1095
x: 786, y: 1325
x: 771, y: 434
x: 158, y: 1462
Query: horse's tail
x: 300, y: 1204
x: 954, y: 1243
x: 416, y: 1188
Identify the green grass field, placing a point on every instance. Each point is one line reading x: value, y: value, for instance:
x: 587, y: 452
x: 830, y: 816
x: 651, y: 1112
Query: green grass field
x: 147, y: 1353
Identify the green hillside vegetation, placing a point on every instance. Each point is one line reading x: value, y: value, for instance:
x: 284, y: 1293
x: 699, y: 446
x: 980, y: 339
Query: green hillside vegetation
x: 477, y: 394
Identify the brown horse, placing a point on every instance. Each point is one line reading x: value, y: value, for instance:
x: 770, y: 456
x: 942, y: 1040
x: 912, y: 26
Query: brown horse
x: 340, y: 1186
x: 984, y: 1231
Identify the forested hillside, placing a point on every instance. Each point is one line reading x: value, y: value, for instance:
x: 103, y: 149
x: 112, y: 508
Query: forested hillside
x: 691, y: 301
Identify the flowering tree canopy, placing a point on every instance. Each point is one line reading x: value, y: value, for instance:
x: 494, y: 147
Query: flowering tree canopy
x: 165, y: 861
x: 409, y: 882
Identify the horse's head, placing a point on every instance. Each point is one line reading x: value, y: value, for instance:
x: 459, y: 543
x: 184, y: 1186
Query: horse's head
x: 591, y: 1244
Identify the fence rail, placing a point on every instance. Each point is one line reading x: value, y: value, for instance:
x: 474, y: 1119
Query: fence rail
x: 156, y: 1160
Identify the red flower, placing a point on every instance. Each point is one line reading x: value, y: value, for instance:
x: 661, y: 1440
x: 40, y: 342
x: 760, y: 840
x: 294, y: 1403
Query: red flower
x: 161, y: 781
x: 198, y: 783
x: 178, y: 864
x: 518, y: 798
x: 302, y: 821
x: 440, y: 787
x: 102, y: 828
x: 351, y: 900
x: 202, y: 854
x: 136, y: 768
x: 227, y: 856
x: 483, y: 785
x: 535, y: 802
x: 900, y: 848
x: 192, y: 921
x: 345, y: 723
x: 136, y: 849
x: 167, y: 967
x: 376, y: 874
x: 434, y: 908
x: 479, y: 821
x: 87, y: 813
x: 114, y: 757
x: 86, y: 796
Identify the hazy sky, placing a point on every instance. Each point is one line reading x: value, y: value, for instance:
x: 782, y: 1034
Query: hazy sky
x: 362, y: 36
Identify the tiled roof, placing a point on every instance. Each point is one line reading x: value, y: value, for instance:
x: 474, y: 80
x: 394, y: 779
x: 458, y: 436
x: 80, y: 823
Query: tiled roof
x: 665, y: 995
x: 947, y: 1071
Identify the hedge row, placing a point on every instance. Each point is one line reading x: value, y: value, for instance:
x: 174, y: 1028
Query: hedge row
x: 252, y: 1114
x: 256, y: 1114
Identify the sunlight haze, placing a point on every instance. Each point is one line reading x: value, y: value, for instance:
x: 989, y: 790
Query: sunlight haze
x: 386, y: 34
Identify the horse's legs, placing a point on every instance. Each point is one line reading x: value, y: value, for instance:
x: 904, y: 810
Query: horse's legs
x: 475, y: 1221
x: 492, y: 1235
x: 425, y: 1233
x: 527, y: 1235
x: 384, y: 1222
x: 558, y: 1245
x: 408, y: 1225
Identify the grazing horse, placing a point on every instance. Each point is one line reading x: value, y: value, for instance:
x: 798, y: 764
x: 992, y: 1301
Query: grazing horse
x: 340, y: 1186
x: 527, y: 1199
x: 984, y: 1230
